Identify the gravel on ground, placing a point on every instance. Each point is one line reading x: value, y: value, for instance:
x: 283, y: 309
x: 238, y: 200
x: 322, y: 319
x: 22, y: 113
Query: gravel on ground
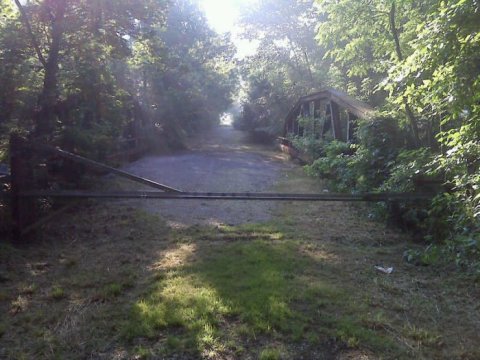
x: 221, y: 160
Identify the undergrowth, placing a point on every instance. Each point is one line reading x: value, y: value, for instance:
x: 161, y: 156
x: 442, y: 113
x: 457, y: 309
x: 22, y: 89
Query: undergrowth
x: 382, y: 161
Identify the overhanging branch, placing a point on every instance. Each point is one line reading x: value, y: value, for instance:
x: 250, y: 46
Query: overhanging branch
x: 40, y: 56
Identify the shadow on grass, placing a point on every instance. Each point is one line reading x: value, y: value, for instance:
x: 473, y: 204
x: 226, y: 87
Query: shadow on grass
x: 242, y: 296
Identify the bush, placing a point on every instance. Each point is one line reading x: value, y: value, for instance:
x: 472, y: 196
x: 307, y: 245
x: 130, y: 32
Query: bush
x: 363, y: 166
x: 382, y: 162
x: 335, y: 166
x: 312, y: 147
x: 409, y: 166
x: 377, y: 163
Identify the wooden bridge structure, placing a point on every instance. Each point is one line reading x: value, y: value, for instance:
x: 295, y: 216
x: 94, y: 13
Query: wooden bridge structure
x: 332, y: 115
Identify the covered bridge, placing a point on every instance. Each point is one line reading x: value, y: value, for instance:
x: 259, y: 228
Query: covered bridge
x: 328, y: 114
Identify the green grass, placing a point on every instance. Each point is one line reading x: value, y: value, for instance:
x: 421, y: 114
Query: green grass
x: 112, y: 290
x: 57, y: 292
x: 238, y: 291
x: 251, y: 282
x: 270, y: 354
x: 422, y: 336
x: 259, y: 291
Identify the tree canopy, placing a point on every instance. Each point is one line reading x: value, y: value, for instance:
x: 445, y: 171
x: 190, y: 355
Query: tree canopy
x: 78, y: 72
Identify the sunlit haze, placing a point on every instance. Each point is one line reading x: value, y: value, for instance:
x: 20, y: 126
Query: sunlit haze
x: 223, y: 16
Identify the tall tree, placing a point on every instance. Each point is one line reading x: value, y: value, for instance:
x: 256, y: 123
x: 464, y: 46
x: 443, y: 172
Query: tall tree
x: 441, y: 79
x: 366, y: 38
x: 289, y: 25
x: 288, y: 62
x: 53, y: 15
x: 84, y: 72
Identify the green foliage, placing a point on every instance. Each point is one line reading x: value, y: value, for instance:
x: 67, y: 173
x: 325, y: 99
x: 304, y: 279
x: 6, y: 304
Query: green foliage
x: 379, y: 141
x: 425, y: 56
x: 193, y: 81
x: 363, y: 166
x: 409, y: 166
x: 270, y: 354
x: 265, y: 104
x: 335, y: 166
x: 121, y: 69
x: 441, y: 80
x: 287, y: 65
x: 381, y: 163
x: 359, y: 39
x: 461, y: 250
x: 309, y: 145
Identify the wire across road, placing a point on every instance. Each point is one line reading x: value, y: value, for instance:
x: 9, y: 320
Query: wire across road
x: 367, y: 197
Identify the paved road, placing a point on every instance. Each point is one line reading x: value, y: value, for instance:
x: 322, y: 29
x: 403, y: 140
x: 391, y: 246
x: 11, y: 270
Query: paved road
x: 221, y: 161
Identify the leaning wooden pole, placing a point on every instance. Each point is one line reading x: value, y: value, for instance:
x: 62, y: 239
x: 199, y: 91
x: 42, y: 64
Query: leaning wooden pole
x: 97, y: 165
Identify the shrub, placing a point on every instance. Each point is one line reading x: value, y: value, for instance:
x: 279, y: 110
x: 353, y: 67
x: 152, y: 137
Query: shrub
x: 363, y: 166
x: 335, y: 166
x: 311, y: 146
x: 382, y: 162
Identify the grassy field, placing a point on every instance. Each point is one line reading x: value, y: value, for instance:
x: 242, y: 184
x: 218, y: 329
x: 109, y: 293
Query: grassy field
x: 110, y: 281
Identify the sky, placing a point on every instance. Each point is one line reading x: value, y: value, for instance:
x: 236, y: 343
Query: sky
x: 223, y: 15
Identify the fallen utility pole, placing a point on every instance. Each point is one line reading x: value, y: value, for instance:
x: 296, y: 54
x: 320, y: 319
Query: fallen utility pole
x: 95, y: 164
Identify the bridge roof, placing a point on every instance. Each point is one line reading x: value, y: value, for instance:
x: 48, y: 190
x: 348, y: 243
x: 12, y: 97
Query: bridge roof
x: 354, y: 106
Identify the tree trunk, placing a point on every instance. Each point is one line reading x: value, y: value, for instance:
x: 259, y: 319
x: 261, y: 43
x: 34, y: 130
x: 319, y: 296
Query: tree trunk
x: 309, y: 69
x: 45, y: 116
x: 30, y: 33
x: 398, y: 50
